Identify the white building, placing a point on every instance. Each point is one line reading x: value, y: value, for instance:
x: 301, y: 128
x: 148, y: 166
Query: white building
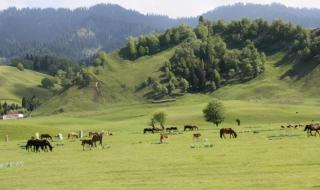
x: 12, y: 116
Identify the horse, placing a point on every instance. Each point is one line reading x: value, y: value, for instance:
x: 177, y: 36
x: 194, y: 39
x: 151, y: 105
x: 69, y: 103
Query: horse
x: 45, y: 136
x: 190, y: 127
x: 163, y: 137
x: 73, y: 135
x: 172, y: 129
x: 59, y: 137
x: 93, y: 133
x: 228, y: 131
x: 36, y: 144
x: 88, y: 142
x: 238, y: 122
x: 312, y: 127
x: 96, y: 138
x: 196, y: 136
x: 145, y: 130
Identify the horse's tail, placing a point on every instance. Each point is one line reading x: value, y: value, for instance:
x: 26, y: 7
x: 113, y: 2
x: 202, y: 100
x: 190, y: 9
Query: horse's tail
x: 221, y: 133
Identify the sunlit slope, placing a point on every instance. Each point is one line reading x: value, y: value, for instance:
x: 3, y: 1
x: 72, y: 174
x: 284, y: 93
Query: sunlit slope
x: 117, y: 84
x: 15, y: 84
x: 284, y: 81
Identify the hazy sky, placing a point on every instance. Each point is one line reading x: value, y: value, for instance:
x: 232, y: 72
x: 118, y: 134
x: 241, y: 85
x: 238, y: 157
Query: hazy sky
x: 173, y: 8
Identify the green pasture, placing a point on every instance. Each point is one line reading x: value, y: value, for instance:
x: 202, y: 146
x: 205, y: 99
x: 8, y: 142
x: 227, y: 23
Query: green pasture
x: 264, y: 156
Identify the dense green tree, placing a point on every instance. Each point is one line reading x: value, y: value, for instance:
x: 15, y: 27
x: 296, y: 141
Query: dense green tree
x: 161, y: 118
x: 20, y: 67
x: 47, y: 83
x: 214, y: 112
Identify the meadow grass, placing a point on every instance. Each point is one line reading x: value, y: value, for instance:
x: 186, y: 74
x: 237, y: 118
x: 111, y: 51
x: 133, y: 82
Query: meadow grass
x: 263, y: 156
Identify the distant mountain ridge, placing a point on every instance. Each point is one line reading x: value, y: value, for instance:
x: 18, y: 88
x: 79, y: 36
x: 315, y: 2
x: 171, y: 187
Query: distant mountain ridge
x: 82, y: 32
x: 309, y: 18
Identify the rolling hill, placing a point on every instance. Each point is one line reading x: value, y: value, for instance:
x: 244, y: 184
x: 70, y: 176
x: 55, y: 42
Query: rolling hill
x: 15, y: 84
x: 119, y: 79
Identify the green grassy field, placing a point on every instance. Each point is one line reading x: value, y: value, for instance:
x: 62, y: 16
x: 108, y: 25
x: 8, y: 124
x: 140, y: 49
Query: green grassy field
x: 264, y: 156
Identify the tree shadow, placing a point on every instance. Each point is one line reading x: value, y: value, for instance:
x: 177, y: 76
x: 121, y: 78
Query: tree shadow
x: 300, y: 68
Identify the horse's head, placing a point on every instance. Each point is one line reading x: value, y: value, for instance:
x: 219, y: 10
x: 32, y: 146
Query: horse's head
x: 307, y: 127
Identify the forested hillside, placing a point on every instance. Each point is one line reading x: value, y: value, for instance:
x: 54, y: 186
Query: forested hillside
x: 82, y: 32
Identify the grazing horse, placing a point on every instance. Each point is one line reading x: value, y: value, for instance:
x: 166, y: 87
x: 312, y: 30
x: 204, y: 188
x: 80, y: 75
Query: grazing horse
x: 36, y: 144
x: 312, y: 127
x: 145, y: 130
x: 88, y: 142
x: 196, y: 136
x: 163, y: 137
x: 96, y: 138
x: 190, y: 127
x: 45, y: 136
x: 73, y: 135
x: 172, y: 129
x: 228, y: 131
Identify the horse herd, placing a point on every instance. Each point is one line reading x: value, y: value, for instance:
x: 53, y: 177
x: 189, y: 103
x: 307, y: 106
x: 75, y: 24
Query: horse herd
x: 196, y: 136
x: 170, y: 129
x: 308, y: 128
x: 42, y: 142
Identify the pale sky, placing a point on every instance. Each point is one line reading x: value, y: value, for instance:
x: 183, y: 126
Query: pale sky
x: 172, y: 8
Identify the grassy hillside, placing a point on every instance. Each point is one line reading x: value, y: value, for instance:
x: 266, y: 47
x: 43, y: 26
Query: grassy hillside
x: 284, y: 81
x: 117, y: 85
x: 15, y: 84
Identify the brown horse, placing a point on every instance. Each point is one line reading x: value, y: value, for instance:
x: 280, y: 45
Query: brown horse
x: 93, y: 133
x: 312, y: 127
x: 163, y: 137
x: 196, y: 136
x: 72, y: 135
x: 228, y: 131
x: 96, y: 138
x: 45, y: 136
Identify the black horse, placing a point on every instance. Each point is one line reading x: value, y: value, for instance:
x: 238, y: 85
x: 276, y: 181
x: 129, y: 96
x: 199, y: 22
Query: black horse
x: 35, y: 145
x: 45, y: 136
x: 97, y: 138
x: 88, y: 142
x: 145, y: 130
x: 190, y: 127
x: 172, y: 129
x: 312, y: 127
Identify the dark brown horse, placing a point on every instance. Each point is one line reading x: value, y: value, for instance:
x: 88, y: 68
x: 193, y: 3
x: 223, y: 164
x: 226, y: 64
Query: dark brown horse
x: 88, y: 142
x: 228, y: 131
x: 172, y: 129
x: 93, y: 133
x: 145, y: 130
x: 312, y: 127
x: 190, y: 127
x: 196, y: 136
x: 35, y: 145
x: 97, y: 138
x: 45, y: 136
